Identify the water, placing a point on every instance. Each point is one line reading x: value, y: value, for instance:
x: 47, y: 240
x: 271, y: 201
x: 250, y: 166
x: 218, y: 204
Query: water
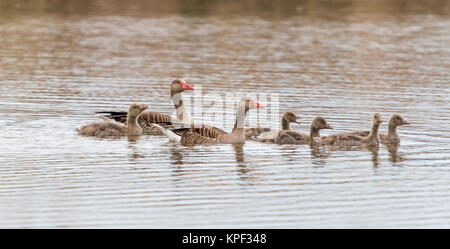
x: 63, y: 61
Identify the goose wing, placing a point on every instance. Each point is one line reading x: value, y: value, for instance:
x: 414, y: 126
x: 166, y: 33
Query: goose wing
x: 204, y: 130
x: 292, y: 137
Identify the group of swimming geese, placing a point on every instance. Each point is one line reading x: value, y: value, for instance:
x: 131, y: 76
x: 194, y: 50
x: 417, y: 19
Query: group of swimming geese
x: 136, y: 122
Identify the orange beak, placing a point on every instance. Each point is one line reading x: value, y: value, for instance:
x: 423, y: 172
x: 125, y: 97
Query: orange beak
x: 258, y: 105
x: 186, y: 86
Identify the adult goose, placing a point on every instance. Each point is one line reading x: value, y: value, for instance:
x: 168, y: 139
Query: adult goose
x: 147, y: 119
x: 392, y: 136
x: 288, y: 136
x: 107, y: 129
x: 352, y: 138
x: 237, y: 136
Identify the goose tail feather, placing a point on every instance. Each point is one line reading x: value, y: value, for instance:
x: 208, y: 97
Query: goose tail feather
x: 170, y: 134
x: 106, y: 119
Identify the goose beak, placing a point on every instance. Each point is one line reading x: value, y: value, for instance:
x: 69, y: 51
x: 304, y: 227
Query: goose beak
x: 186, y: 87
x: 258, y: 105
x: 297, y: 122
x: 143, y: 107
x: 380, y: 120
x: 404, y: 122
x: 327, y: 126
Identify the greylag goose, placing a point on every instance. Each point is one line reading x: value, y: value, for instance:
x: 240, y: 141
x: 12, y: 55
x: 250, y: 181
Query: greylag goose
x: 392, y: 136
x: 288, y: 136
x: 107, y: 129
x: 287, y: 118
x: 352, y: 138
x: 237, y: 136
x: 147, y: 119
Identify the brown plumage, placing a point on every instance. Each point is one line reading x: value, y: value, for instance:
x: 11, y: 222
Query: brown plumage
x: 237, y: 136
x: 107, y: 129
x: 204, y: 130
x: 288, y: 136
x: 352, y: 138
x: 391, y: 137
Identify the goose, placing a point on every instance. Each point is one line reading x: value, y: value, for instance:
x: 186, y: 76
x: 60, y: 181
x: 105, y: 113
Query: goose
x: 237, y: 136
x: 148, y: 119
x: 392, y: 136
x: 288, y: 136
x: 107, y: 129
x: 352, y: 138
x: 287, y: 118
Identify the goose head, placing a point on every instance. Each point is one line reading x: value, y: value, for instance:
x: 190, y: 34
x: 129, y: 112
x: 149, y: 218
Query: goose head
x: 377, y: 120
x: 249, y: 103
x: 290, y: 117
x: 397, y: 120
x: 136, y: 109
x: 179, y: 86
x: 319, y: 123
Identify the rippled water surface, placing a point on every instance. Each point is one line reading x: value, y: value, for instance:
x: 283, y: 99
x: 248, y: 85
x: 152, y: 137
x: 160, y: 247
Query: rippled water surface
x: 60, y: 62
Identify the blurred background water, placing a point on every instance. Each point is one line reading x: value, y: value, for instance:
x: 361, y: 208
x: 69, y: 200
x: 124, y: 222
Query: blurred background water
x: 61, y: 61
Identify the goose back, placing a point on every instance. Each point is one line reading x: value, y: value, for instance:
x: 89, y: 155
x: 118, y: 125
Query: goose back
x: 292, y: 137
x: 205, y: 130
x: 103, y: 130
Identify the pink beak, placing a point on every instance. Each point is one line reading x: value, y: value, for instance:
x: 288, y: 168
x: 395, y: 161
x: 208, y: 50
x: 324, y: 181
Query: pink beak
x: 405, y: 122
x: 143, y: 107
x: 187, y: 87
x: 258, y: 105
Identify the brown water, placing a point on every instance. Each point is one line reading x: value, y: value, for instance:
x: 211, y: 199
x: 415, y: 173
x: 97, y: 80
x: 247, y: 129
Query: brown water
x: 60, y: 62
